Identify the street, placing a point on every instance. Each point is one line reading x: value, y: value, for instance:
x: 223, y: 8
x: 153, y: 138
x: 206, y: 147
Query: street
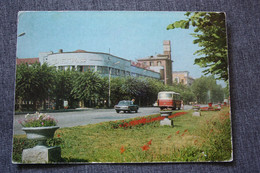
x: 91, y: 116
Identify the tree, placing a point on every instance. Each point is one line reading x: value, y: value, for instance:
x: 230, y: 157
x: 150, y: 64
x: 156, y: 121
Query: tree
x: 63, y: 87
x: 34, y: 83
x: 210, y: 34
x: 206, y: 89
x: 87, y: 86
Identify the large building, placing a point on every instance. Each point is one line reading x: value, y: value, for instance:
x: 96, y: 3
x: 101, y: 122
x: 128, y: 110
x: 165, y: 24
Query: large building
x: 161, y: 63
x: 182, y: 77
x: 104, y: 63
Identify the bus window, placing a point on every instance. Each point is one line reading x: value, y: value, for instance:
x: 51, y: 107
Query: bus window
x: 165, y: 96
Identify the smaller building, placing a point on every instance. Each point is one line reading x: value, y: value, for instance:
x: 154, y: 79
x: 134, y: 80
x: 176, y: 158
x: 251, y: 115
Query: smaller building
x: 161, y: 63
x: 27, y: 61
x: 182, y: 77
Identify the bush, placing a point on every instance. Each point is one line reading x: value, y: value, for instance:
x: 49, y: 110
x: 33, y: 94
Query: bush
x: 21, y: 143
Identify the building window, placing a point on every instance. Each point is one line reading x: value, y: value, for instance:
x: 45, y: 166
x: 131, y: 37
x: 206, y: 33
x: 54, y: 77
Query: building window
x: 159, y: 63
x: 100, y: 69
x: 80, y: 68
x: 122, y: 73
x: 112, y: 71
x: 151, y: 63
x: 182, y: 81
x: 61, y: 68
x: 105, y: 70
x: 117, y: 72
x: 89, y: 67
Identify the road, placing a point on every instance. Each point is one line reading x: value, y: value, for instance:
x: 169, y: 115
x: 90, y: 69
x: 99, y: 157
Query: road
x: 91, y: 116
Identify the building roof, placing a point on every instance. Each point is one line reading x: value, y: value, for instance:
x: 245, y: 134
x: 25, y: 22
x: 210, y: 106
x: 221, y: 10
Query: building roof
x: 156, y: 57
x: 27, y: 61
x: 80, y: 51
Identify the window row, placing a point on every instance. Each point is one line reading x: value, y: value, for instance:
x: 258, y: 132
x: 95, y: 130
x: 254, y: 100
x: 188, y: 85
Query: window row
x: 102, y: 70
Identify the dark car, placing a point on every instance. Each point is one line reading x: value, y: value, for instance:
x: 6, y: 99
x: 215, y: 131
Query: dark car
x: 126, y: 106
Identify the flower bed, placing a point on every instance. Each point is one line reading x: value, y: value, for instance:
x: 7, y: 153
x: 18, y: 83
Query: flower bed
x: 142, y: 121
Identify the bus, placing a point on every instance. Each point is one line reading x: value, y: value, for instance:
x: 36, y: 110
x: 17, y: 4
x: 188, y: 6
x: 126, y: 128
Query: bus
x: 169, y: 100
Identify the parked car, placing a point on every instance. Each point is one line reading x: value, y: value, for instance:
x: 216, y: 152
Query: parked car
x: 126, y: 106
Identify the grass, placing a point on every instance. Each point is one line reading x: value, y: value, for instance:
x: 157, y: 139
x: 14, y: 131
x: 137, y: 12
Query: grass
x: 205, y: 138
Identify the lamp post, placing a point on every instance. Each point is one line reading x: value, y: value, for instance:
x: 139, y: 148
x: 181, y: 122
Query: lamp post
x: 109, y: 78
x: 22, y: 34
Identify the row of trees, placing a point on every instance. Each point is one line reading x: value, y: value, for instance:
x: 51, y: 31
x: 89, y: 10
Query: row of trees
x: 39, y: 85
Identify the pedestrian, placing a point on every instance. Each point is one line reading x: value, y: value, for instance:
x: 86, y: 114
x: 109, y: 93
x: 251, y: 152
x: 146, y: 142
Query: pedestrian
x: 182, y: 105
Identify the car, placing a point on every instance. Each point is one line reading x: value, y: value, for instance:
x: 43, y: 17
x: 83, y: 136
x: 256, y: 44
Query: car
x: 126, y: 106
x: 155, y: 104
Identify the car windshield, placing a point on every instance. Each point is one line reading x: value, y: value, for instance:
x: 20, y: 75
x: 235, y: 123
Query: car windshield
x: 165, y: 95
x: 124, y: 103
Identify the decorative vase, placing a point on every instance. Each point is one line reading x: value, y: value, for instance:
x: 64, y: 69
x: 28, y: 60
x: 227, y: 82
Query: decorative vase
x: 41, y: 134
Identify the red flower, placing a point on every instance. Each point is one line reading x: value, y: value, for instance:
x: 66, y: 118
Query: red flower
x: 186, y: 130
x: 196, y: 141
x: 58, y: 135
x: 178, y: 132
x: 182, y: 134
x: 122, y: 149
x: 169, y: 136
x: 150, y: 142
x: 145, y: 147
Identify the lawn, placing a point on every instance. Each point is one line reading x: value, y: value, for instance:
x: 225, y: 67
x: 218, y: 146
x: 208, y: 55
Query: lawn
x: 205, y: 138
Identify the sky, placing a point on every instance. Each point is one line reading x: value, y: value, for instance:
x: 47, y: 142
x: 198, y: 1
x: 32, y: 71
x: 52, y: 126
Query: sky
x: 127, y: 34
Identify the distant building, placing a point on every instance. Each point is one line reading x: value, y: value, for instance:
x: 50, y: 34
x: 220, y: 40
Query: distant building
x: 182, y: 77
x: 160, y: 63
x: 103, y: 63
x: 27, y: 61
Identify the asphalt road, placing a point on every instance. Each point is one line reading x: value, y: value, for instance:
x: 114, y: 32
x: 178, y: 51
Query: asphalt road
x: 91, y: 116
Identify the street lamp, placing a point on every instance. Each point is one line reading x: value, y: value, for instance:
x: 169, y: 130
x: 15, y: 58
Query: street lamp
x: 22, y: 34
x: 109, y: 92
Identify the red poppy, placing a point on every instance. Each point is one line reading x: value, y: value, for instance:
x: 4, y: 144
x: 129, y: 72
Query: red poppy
x: 186, y: 130
x: 169, y: 136
x: 122, y: 149
x: 145, y: 147
x: 182, y: 134
x: 58, y: 135
x: 150, y: 142
x: 178, y: 132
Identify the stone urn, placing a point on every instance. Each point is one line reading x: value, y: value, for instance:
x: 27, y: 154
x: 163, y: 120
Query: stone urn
x: 41, y: 153
x: 41, y: 134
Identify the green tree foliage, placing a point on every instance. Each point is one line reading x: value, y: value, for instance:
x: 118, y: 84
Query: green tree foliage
x: 206, y: 90
x: 87, y: 86
x: 210, y: 34
x: 34, y: 82
x: 62, y: 89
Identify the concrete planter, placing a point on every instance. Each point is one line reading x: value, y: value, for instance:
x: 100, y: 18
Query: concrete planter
x: 41, y: 153
x: 41, y: 134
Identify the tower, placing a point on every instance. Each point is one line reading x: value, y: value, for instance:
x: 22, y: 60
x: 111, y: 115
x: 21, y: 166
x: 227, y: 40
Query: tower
x: 167, y: 48
x: 168, y: 61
